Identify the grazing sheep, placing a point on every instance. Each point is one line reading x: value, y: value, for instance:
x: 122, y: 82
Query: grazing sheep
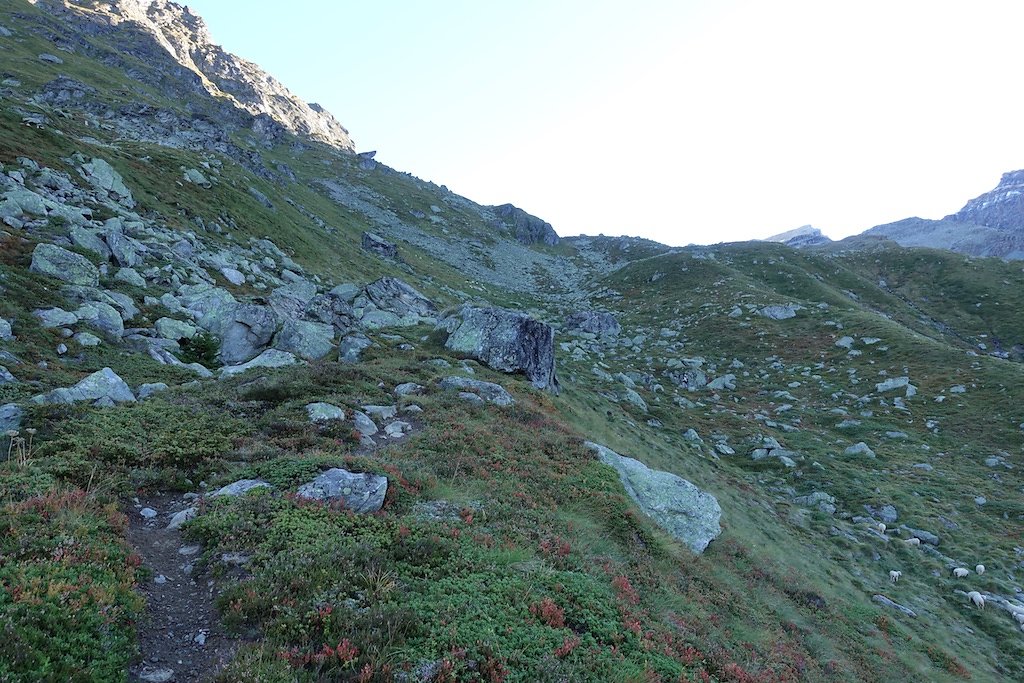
x: 977, y: 598
x: 960, y: 572
x: 913, y: 541
x: 980, y: 569
x: 894, y: 575
x: 881, y: 528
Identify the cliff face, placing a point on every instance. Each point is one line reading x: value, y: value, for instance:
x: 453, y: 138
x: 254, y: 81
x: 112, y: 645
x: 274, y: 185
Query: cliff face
x: 1002, y: 208
x: 185, y: 37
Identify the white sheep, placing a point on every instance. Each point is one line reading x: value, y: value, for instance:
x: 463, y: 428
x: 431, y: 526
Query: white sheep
x: 913, y: 541
x: 881, y: 527
x: 977, y: 598
x: 895, y: 575
x: 980, y: 569
x: 960, y: 572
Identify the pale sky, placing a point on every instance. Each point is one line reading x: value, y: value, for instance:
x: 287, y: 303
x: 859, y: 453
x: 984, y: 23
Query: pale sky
x: 684, y: 121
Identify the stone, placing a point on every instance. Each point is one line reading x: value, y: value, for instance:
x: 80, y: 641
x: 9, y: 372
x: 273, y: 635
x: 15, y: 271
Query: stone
x: 594, y: 322
x: 10, y: 417
x: 233, y: 276
x: 346, y: 292
x: 126, y: 252
x: 130, y: 276
x: 157, y: 675
x: 148, y: 513
x: 291, y: 300
x: 6, y: 332
x: 84, y: 238
x: 324, y: 412
x: 882, y: 600
x: 6, y: 377
x: 364, y: 424
x: 860, y: 448
x: 886, y: 513
x: 397, y: 429
x: 958, y: 389
x: 64, y: 265
x: 897, y: 383
x: 925, y: 536
x: 100, y: 385
x: 307, y: 340
x: 196, y: 177
x: 352, y: 347
x: 675, y: 504
x: 87, y: 339
x: 381, y: 412
x: 394, y: 296
x: 102, y: 176
x: 409, y: 389
x: 103, y: 318
x: 180, y: 518
x: 358, y: 492
x: 507, y: 341
x: 50, y: 59
x: 923, y: 466
x: 723, y: 382
x: 271, y: 358
x: 487, y: 391
x: 375, y: 244
x: 845, y: 343
x: 632, y: 397
x: 779, y: 312
x: 170, y: 328
x: 244, y: 330
x: 240, y: 488
x: 820, y: 500
x: 147, y: 390
x: 471, y: 398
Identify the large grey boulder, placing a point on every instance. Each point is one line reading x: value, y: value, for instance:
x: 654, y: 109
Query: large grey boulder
x: 594, y: 322
x: 358, y: 492
x: 55, y: 317
x: 103, y: 387
x: 6, y: 332
x: 103, y: 318
x: 244, y: 330
x: 779, y: 312
x: 395, y: 296
x: 271, y: 358
x: 6, y: 377
x: 375, y: 244
x: 291, y: 300
x: 675, y: 504
x: 324, y: 412
x: 67, y: 266
x: 487, y: 391
x: 102, y: 176
x: 170, y: 328
x: 126, y: 251
x: 352, y: 347
x: 84, y: 238
x: 505, y: 340
x: 10, y: 417
x: 308, y: 340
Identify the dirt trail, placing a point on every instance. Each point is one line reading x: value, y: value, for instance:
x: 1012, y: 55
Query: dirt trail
x: 180, y: 637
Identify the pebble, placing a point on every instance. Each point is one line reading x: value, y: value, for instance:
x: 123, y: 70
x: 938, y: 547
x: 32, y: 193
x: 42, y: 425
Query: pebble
x: 189, y: 550
x: 160, y: 579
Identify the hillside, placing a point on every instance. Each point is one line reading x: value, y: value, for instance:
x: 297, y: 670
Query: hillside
x: 274, y: 411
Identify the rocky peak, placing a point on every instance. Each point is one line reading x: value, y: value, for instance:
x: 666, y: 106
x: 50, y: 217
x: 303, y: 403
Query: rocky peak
x: 1001, y: 208
x: 528, y: 229
x: 185, y: 37
x: 804, y: 236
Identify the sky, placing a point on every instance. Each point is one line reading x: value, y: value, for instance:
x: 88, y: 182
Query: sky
x: 683, y: 121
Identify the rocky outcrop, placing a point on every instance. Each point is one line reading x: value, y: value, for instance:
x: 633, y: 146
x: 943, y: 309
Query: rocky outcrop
x: 527, y: 229
x: 486, y: 391
x: 400, y: 303
x: 184, y: 36
x: 804, y: 236
x: 1001, y: 208
x: 375, y: 244
x: 594, y: 322
x: 104, y: 388
x: 505, y: 340
x: 675, y: 504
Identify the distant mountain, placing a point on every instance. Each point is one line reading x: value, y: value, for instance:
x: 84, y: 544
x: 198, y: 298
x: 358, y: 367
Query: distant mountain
x: 804, y: 236
x: 989, y: 225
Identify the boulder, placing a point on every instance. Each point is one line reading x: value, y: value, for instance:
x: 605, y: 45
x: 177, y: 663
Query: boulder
x: 897, y: 383
x: 675, y: 504
x: 723, y: 382
x: 147, y: 390
x: 244, y: 330
x: 84, y: 238
x: 375, y: 244
x: 240, y: 488
x: 395, y: 296
x: 169, y: 328
x: 505, y: 340
x: 271, y: 358
x: 860, y: 448
x: 352, y: 347
x: 324, y: 412
x: 6, y: 377
x: 527, y: 228
x: 358, y: 492
x: 55, y: 317
x: 594, y: 322
x: 291, y: 300
x: 130, y: 276
x: 67, y: 266
x: 779, y: 312
x: 126, y: 252
x: 102, y: 317
x: 104, y: 387
x: 409, y: 389
x: 885, y: 513
x: 6, y: 333
x: 364, y: 424
x: 925, y: 536
x: 485, y: 391
x: 102, y: 176
x: 307, y: 340
x: 233, y: 276
x: 10, y: 417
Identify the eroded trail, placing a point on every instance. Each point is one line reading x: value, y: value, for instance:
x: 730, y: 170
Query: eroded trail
x: 180, y: 637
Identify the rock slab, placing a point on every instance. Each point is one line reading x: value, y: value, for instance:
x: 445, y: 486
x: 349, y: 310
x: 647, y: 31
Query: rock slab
x: 359, y: 492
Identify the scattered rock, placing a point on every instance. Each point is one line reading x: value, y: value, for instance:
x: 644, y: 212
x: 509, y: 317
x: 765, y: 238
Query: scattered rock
x: 10, y: 417
x: 181, y: 517
x: 409, y: 389
x: 324, y: 412
x: 305, y: 339
x: 882, y: 600
x: 103, y: 385
x: 397, y: 429
x: 233, y: 276
x: 352, y: 347
x: 364, y: 424
x: 147, y: 390
x: 487, y: 391
x: 240, y: 487
x: 359, y: 493
x: 64, y: 265
x: 50, y: 59
x: 594, y: 322
x: 271, y: 358
x: 779, y: 312
x: 679, y: 507
x: 375, y: 244
x: 860, y: 448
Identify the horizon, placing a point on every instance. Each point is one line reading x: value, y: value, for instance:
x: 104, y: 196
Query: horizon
x: 638, y: 122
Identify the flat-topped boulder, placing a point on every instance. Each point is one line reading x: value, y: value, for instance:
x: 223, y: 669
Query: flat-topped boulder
x: 103, y: 387
x: 358, y: 492
x: 64, y: 265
